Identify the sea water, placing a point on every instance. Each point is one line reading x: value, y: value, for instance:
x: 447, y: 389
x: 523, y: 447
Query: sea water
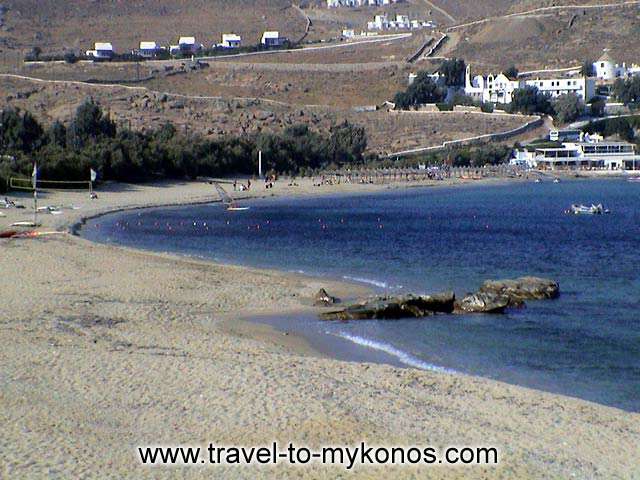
x: 584, y: 344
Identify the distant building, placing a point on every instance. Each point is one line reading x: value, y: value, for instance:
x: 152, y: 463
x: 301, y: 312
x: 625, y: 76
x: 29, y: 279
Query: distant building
x: 499, y: 88
x: 230, y: 40
x: 523, y: 158
x: 401, y: 22
x: 493, y: 88
x: 583, y: 87
x: 272, y: 39
x: 186, y: 46
x: 101, y: 51
x: 592, y: 153
x: 359, y: 3
x: 149, y: 49
x: 607, y: 70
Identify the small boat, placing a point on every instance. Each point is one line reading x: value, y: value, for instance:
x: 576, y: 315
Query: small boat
x: 634, y: 179
x: 556, y: 180
x: 585, y: 210
x: 538, y: 180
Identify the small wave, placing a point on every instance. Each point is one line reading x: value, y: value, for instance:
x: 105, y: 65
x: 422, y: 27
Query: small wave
x: 375, y: 283
x: 402, y: 356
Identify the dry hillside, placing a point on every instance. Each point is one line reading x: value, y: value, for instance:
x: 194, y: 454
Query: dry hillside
x: 141, y: 109
x: 75, y: 24
x: 552, y: 40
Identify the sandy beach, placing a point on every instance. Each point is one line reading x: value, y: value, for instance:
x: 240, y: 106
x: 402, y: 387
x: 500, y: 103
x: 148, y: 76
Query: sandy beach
x: 105, y: 349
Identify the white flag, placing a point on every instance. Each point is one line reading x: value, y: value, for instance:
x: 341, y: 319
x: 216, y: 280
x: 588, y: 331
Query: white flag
x: 94, y: 175
x: 34, y: 176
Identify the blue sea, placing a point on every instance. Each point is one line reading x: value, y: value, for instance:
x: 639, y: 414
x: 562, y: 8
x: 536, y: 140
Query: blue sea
x: 585, y: 344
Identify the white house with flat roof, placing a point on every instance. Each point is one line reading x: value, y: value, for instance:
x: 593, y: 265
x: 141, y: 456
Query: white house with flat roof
x: 185, y: 46
x: 272, y: 39
x: 583, y: 87
x: 148, y: 49
x: 499, y: 88
x: 101, y: 51
x: 230, y: 40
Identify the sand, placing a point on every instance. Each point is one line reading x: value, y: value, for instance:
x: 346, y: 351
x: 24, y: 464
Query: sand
x: 105, y: 349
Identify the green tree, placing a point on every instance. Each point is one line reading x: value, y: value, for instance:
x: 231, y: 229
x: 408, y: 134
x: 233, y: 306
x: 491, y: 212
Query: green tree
x: 89, y: 124
x: 530, y: 100
x: 19, y: 132
x: 627, y: 91
x: 422, y: 90
x: 454, y: 70
x: 598, y: 107
x: 568, y: 107
x: 587, y: 69
x: 347, y: 143
x: 512, y: 72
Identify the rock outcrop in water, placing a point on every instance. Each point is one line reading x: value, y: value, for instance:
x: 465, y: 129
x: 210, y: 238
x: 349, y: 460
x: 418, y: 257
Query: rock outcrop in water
x: 523, y: 288
x: 393, y: 308
x: 481, y: 302
x: 494, y: 296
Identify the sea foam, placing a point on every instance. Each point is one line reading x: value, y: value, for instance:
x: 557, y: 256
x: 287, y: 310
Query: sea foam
x: 375, y: 283
x: 402, y: 356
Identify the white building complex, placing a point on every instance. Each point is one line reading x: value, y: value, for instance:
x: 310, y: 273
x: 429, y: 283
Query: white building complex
x: 607, y: 70
x: 359, y: 3
x: 499, y: 88
x: 401, y: 22
x: 589, y: 153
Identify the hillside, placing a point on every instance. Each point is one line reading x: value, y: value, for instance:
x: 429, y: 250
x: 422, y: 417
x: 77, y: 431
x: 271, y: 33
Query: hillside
x: 75, y: 24
x: 550, y: 40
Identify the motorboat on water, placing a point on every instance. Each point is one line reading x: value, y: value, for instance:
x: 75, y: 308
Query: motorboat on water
x: 556, y: 180
x: 579, y: 209
x: 633, y: 179
x: 538, y: 180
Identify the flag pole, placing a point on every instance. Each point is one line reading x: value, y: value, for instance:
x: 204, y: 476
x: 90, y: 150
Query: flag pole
x: 35, y: 195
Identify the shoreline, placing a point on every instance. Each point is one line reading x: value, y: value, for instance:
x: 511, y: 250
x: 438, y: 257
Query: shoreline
x: 146, y: 347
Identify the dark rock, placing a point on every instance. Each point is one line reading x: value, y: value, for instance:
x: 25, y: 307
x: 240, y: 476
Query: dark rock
x: 524, y: 288
x: 483, y: 302
x: 393, y: 308
x: 323, y: 299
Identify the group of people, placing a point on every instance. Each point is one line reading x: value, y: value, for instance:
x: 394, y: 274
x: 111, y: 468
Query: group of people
x: 241, y: 187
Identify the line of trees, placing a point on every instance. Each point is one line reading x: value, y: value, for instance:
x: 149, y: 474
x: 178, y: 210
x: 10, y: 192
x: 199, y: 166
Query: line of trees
x: 627, y: 91
x: 92, y: 140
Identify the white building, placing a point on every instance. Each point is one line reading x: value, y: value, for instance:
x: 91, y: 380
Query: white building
x: 272, y: 39
x: 499, y: 88
x: 230, y: 40
x: 523, y: 158
x: 101, y: 51
x: 148, y: 49
x: 588, y: 154
x: 359, y: 3
x: 186, y: 46
x: 494, y: 88
x: 583, y: 87
x: 401, y: 22
x: 607, y: 70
